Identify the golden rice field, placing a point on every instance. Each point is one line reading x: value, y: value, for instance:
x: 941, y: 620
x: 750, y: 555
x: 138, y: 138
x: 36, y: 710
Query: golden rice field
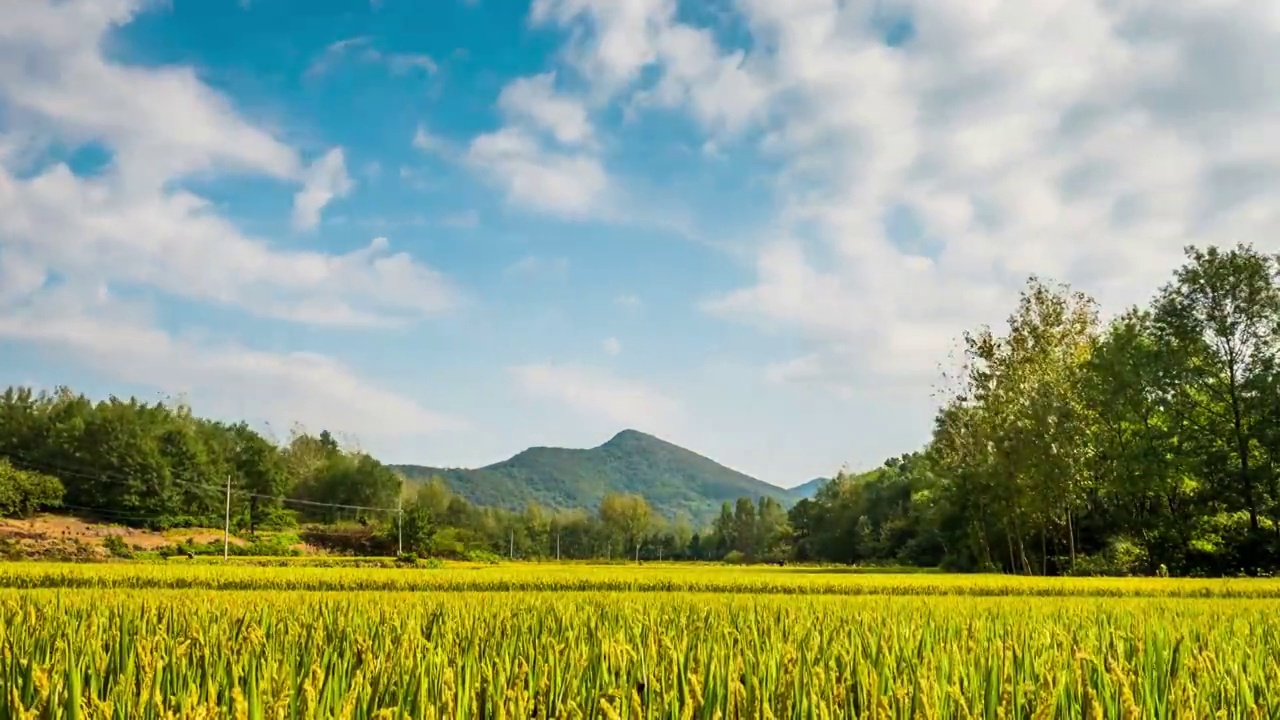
x: 527, y: 641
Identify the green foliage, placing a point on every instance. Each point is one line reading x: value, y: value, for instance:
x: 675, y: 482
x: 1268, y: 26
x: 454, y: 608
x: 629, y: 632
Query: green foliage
x: 483, y: 556
x: 118, y: 548
x: 158, y: 465
x: 22, y: 492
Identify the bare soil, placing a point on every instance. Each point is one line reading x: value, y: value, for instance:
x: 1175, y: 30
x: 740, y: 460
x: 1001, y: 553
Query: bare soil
x: 42, y: 529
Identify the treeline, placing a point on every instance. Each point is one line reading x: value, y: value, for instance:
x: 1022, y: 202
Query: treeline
x: 159, y: 466
x: 439, y: 523
x: 1147, y: 445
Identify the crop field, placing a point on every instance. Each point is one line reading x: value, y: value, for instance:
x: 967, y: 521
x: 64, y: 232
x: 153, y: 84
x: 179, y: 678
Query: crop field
x: 530, y: 641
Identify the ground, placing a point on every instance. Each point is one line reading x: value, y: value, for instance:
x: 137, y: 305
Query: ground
x: 43, y: 532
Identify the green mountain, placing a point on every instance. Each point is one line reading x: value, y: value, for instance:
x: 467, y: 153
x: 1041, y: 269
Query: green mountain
x: 808, y: 489
x: 670, y: 477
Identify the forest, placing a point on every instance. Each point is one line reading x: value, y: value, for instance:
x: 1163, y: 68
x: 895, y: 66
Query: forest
x: 1145, y: 444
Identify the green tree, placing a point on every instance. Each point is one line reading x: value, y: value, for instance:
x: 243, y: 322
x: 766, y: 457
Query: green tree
x: 23, y: 492
x: 1218, y: 320
x: 626, y: 518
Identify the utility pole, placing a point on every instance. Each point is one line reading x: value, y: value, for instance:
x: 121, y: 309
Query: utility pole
x: 511, y: 552
x: 400, y: 523
x: 557, y: 546
x: 226, y: 527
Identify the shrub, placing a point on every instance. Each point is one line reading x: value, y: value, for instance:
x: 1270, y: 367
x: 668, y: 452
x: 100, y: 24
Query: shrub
x: 117, y: 547
x: 483, y: 556
x: 23, y: 492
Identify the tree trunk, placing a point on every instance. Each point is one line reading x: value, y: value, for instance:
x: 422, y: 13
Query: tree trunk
x: 1044, y: 551
x: 1071, y: 539
x: 1242, y: 449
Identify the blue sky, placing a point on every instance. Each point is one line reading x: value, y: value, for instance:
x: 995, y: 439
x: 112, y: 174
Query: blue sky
x: 453, y: 229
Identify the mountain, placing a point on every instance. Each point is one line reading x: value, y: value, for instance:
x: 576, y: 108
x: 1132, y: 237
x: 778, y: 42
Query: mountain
x: 670, y: 477
x: 808, y: 489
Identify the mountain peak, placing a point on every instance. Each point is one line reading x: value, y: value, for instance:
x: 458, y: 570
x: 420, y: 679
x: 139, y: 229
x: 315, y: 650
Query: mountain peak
x: 673, y: 479
x: 630, y: 436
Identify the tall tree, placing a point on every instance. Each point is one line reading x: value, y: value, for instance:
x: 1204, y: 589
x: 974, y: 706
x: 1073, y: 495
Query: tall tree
x: 1218, y: 319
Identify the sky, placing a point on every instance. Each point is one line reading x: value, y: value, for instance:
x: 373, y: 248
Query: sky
x: 448, y: 230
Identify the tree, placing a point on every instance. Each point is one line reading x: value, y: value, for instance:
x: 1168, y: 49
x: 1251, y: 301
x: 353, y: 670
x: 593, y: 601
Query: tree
x: 23, y: 492
x: 1017, y: 429
x: 626, y: 517
x: 1218, y: 318
x: 419, y: 522
x: 261, y: 472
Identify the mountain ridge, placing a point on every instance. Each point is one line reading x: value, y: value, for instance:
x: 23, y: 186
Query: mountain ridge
x: 672, y: 478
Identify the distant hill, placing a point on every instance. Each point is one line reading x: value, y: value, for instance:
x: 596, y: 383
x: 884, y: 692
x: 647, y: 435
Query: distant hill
x: 807, y: 490
x: 670, y: 477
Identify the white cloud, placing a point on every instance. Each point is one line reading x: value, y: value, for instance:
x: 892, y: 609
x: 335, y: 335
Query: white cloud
x: 68, y: 243
x: 544, y: 156
x: 100, y: 230
x: 600, y: 395
x: 571, y: 185
x: 323, y: 181
x: 535, y: 99
x: 361, y: 49
x: 612, y: 346
x: 161, y: 122
x: 405, y: 63
x: 223, y: 378
x: 428, y: 142
x: 615, y: 41
x: 1086, y: 141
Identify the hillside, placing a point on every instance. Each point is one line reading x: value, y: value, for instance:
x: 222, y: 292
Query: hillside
x: 808, y: 489
x: 670, y: 477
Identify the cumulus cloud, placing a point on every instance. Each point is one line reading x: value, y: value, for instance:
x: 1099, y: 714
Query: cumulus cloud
x: 535, y: 99
x: 600, y: 395
x: 69, y: 241
x: 544, y: 156
x: 571, y: 185
x: 614, y: 43
x: 1086, y: 141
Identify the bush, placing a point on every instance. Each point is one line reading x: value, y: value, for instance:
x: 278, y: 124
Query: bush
x: 483, y: 556
x: 23, y: 492
x: 1121, y: 558
x: 408, y: 558
x: 117, y: 547
x: 735, y: 558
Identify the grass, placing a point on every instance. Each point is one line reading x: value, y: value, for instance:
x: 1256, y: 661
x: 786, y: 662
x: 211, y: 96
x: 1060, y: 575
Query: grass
x: 200, y: 640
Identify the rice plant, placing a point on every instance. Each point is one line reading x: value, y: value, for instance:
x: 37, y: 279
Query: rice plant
x: 116, y: 652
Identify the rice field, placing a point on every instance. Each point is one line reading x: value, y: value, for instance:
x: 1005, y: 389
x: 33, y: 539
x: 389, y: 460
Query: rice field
x: 529, y: 641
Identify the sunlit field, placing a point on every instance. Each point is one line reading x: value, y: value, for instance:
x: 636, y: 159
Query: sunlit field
x: 540, y: 641
x: 549, y: 577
